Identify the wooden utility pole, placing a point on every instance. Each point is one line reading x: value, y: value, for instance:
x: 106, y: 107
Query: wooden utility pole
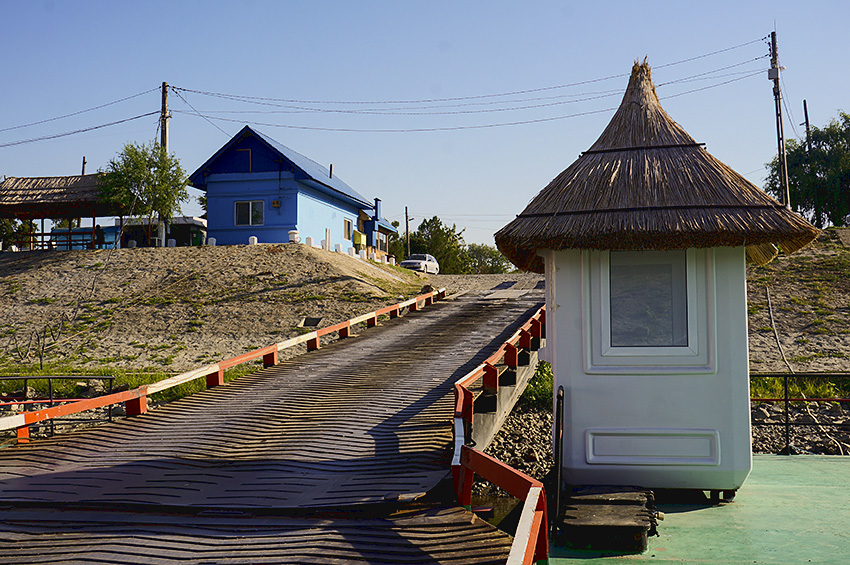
x: 407, y: 230
x: 809, y: 180
x: 773, y: 74
x: 163, y: 119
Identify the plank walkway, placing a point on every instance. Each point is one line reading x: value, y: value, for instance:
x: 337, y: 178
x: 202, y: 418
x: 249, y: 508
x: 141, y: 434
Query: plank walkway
x: 321, y: 458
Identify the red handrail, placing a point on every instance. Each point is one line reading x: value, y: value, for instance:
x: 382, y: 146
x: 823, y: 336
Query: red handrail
x: 136, y: 399
x: 531, y: 539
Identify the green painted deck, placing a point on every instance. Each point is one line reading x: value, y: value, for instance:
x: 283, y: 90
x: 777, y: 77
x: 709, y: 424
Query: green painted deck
x: 792, y: 509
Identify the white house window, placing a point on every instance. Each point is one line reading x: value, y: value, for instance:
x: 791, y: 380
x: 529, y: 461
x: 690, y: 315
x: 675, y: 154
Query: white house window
x: 382, y: 242
x: 648, y: 299
x: 249, y: 213
x: 347, y: 229
x: 649, y: 311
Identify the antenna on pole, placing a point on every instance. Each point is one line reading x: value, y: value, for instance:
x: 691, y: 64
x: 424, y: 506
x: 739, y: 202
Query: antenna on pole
x: 773, y: 74
x: 163, y: 118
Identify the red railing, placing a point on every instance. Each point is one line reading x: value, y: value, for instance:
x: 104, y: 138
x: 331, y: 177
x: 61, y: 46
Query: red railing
x: 135, y: 400
x: 531, y: 539
x: 508, y: 353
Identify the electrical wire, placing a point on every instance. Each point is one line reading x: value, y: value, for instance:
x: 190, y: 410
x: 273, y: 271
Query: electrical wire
x: 79, y: 112
x: 479, y: 126
x: 83, y: 130
x: 430, y: 109
x: 413, y: 130
x: 461, y: 98
x: 177, y: 92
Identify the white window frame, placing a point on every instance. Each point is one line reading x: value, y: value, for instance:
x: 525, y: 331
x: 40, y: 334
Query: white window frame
x: 698, y: 356
x: 251, y: 204
x: 347, y: 229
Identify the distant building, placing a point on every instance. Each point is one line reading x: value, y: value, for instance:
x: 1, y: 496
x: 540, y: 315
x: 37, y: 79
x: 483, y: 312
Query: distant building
x: 257, y: 187
x: 184, y: 230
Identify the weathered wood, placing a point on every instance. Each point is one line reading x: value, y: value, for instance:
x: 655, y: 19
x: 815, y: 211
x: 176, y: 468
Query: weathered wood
x: 366, y: 421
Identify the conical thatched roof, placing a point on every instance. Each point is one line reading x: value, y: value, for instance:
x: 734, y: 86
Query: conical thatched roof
x: 646, y: 184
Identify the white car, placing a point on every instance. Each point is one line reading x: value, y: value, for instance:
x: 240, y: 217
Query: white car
x: 421, y: 262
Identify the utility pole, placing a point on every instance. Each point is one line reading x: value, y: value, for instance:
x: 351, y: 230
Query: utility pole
x: 163, y: 118
x: 773, y: 74
x: 811, y: 185
x: 407, y: 230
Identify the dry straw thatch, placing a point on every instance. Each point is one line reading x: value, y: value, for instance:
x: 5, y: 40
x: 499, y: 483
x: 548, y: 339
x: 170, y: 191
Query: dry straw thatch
x: 73, y: 196
x: 646, y: 184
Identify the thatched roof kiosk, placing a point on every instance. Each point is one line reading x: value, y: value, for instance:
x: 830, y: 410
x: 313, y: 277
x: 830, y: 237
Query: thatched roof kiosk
x: 647, y: 185
x: 645, y: 240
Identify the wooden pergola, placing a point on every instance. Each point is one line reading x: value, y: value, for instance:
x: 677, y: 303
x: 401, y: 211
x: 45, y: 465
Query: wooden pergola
x: 40, y: 198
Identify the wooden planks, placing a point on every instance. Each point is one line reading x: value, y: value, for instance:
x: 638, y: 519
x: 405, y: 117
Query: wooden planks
x: 362, y: 421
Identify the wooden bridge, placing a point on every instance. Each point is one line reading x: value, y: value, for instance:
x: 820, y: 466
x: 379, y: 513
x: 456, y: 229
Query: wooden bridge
x: 342, y: 455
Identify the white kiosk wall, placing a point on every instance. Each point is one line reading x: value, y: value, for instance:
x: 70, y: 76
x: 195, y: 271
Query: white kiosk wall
x: 651, y: 349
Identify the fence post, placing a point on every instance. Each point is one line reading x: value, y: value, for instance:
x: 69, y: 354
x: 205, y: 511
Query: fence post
x: 136, y: 406
x: 215, y: 379
x: 270, y: 359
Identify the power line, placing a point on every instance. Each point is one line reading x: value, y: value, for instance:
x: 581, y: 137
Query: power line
x: 78, y: 112
x: 434, y: 110
x: 67, y: 133
x: 479, y: 126
x: 461, y: 98
x: 413, y: 130
x: 177, y: 92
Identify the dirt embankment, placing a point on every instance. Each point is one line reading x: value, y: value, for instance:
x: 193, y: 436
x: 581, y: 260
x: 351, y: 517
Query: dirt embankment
x: 174, y: 309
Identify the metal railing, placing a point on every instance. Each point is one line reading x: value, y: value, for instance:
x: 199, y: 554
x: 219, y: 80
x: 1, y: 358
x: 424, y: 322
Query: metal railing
x: 787, y: 399
x: 135, y: 400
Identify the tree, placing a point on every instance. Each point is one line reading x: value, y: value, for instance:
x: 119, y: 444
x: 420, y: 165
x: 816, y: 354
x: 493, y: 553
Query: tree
x: 10, y: 232
x: 395, y: 244
x: 819, y: 178
x: 147, y: 180
x: 486, y: 260
x: 444, y: 243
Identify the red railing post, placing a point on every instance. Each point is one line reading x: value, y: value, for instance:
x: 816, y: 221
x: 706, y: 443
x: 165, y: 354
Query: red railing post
x: 313, y: 343
x: 215, y: 379
x: 270, y: 359
x: 372, y: 322
x: 536, y: 328
x: 511, y: 355
x: 136, y: 406
x: 23, y: 434
x: 491, y: 379
x: 525, y: 339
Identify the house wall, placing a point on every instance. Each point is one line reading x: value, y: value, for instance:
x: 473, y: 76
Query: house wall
x: 224, y: 190
x: 656, y: 424
x: 317, y: 211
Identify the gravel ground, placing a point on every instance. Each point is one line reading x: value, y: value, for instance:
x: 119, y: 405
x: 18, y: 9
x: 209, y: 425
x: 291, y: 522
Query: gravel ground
x: 525, y: 443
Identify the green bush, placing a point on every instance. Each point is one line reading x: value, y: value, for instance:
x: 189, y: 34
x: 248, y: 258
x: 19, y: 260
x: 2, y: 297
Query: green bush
x: 538, y: 393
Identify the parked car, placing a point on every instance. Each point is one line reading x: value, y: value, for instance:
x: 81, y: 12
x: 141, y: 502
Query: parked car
x: 421, y: 262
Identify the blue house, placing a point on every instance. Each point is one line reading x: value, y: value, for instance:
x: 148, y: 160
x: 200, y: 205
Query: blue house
x: 257, y: 187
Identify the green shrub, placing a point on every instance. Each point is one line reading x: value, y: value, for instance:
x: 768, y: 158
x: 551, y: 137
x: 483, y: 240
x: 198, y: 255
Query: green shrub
x: 538, y: 393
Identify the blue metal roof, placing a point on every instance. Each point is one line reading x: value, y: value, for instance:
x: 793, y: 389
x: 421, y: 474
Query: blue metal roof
x: 311, y: 173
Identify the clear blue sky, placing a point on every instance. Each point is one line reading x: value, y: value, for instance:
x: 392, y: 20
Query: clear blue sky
x: 62, y: 57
